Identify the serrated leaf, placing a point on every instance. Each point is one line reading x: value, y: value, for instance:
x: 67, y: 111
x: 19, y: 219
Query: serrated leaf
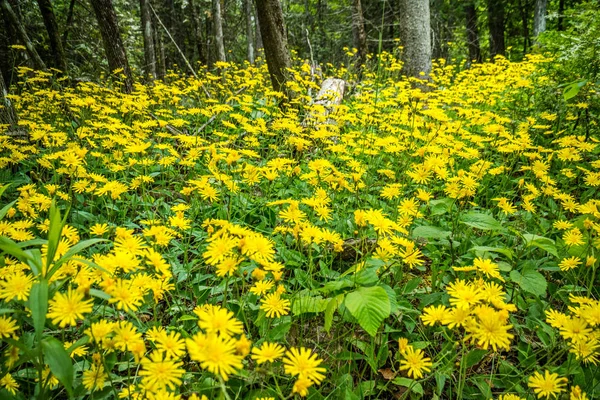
x: 370, y: 306
x: 481, y: 221
x: 309, y: 304
x: 530, y: 281
x: 59, y: 362
x: 541, y: 242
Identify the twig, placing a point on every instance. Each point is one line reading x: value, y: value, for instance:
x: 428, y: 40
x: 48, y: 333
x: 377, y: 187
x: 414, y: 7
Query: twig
x: 169, y: 127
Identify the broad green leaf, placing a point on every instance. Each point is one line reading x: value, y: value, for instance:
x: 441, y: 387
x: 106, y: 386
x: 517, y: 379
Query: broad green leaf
x: 481, y: 221
x: 11, y: 248
x: 541, y: 242
x: 430, y: 232
x: 99, y: 294
x: 413, y: 385
x: 573, y: 88
x: 370, y: 306
x: 59, y: 362
x: 3, y: 189
x: 309, y: 304
x: 474, y: 357
x: 38, y: 304
x: 530, y: 281
x: 441, y: 206
x: 332, y: 305
x: 502, y: 250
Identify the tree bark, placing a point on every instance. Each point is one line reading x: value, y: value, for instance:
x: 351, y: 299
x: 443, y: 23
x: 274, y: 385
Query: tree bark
x: 249, y: 30
x: 360, y: 36
x: 60, y: 61
x: 496, y: 24
x: 259, y: 41
x: 218, y: 24
x: 68, y: 24
x: 539, y: 17
x: 22, y: 34
x: 7, y: 111
x: 415, y: 36
x: 111, y: 37
x: 561, y: 15
x: 272, y: 29
x: 197, y: 33
x: 149, y: 51
x: 472, y: 32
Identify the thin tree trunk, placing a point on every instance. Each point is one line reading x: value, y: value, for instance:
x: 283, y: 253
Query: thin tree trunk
x: 149, y: 52
x: 7, y: 111
x: 272, y: 29
x: 250, y: 30
x: 113, y: 44
x: 525, y: 22
x: 60, y: 61
x: 472, y: 32
x: 496, y: 24
x: 539, y: 17
x: 22, y: 34
x: 68, y: 24
x: 218, y: 21
x: 415, y: 36
x: 259, y: 41
x: 360, y: 36
x: 561, y: 15
x: 160, y: 53
x: 197, y: 33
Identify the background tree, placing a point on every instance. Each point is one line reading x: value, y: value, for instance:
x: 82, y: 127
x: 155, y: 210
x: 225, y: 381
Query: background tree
x: 16, y: 22
x: 360, y: 35
x: 539, y: 17
x: 47, y: 12
x: 415, y: 36
x: 218, y: 25
x: 111, y: 37
x: 249, y: 29
x: 7, y: 111
x: 472, y: 31
x: 272, y: 29
x: 496, y: 26
x: 147, y: 33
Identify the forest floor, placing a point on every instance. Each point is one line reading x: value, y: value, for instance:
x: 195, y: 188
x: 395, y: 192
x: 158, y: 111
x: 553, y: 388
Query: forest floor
x: 195, y: 240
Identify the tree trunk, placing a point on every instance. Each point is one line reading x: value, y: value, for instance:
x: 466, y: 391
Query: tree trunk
x: 197, y: 33
x: 561, y: 15
x: 525, y: 22
x: 539, y: 17
x: 472, y: 32
x: 360, y: 36
x: 7, y: 111
x: 149, y: 52
x: 22, y: 34
x: 68, y: 24
x: 415, y: 36
x: 113, y: 45
x: 250, y: 30
x: 496, y: 24
x: 259, y: 41
x: 60, y: 62
x: 218, y: 24
x: 272, y: 29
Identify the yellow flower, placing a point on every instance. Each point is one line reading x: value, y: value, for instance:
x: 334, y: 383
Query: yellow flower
x: 66, y: 309
x: 274, y: 306
x: 215, y: 354
x: 304, y: 363
x: 415, y: 362
x: 268, y: 352
x: 159, y: 372
x: 547, y: 385
x: 218, y: 320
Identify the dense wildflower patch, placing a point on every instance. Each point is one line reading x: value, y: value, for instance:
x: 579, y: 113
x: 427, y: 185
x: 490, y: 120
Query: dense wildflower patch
x: 430, y: 240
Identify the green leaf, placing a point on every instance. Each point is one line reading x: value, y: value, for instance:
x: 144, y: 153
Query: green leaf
x: 481, y: 221
x: 5, y: 209
x: 370, y: 306
x: 38, y: 304
x: 541, y: 242
x: 530, y: 281
x: 332, y: 305
x: 308, y: 304
x: 3, y: 188
x: 11, y: 248
x: 441, y: 206
x: 72, y: 252
x: 573, y: 88
x: 430, y: 232
x: 502, y: 250
x: 59, y: 362
x: 54, y: 232
x: 474, y: 357
x: 413, y: 385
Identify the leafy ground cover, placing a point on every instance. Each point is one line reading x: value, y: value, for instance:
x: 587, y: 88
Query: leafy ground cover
x: 195, y: 240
